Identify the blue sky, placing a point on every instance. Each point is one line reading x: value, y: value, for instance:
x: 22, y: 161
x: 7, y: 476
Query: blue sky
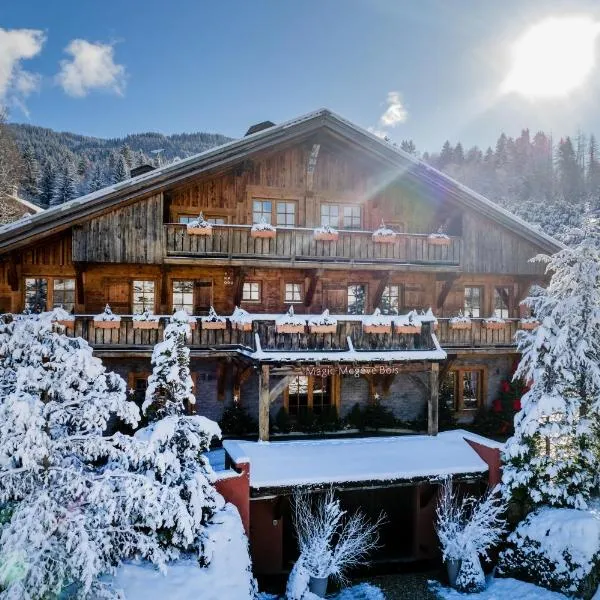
x: 187, y: 65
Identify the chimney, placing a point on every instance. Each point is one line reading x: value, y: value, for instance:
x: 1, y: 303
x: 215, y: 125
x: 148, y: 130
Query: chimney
x: 259, y: 127
x: 141, y: 170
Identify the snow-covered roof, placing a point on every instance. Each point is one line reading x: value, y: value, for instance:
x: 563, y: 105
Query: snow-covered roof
x: 230, y: 152
x: 336, y: 461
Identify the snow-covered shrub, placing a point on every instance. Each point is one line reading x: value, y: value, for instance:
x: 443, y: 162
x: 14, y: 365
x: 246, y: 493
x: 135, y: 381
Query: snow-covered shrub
x: 145, y: 316
x: 106, y: 315
x: 199, y: 223
x: 471, y: 578
x: 557, y: 548
x: 263, y: 226
x: 323, y: 319
x: 551, y: 459
x: 329, y: 542
x: 170, y: 386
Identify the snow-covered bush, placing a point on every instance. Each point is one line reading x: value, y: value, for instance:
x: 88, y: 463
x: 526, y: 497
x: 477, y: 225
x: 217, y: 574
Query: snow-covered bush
x: 213, y: 317
x: 329, y: 542
x: 106, y: 315
x: 263, y: 226
x: 467, y: 528
x: 145, y: 316
x: 551, y: 458
x: 323, y: 319
x: 199, y: 223
x: 557, y: 548
x: 170, y: 386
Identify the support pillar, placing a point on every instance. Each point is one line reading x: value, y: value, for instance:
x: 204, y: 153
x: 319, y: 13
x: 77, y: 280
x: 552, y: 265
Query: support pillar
x: 432, y: 403
x: 264, y: 404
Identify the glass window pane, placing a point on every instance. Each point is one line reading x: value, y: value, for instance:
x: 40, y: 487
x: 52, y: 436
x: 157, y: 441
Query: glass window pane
x: 471, y: 382
x: 298, y: 394
x: 186, y: 219
x: 286, y: 214
x: 183, y: 296
x: 143, y: 296
x: 321, y: 394
x: 63, y: 294
x: 351, y: 217
x: 330, y: 215
x: 472, y: 307
x: 36, y: 295
x: 216, y: 220
x: 261, y: 211
x: 357, y: 295
x: 501, y: 302
x: 293, y: 292
x: 251, y: 291
x: 390, y: 300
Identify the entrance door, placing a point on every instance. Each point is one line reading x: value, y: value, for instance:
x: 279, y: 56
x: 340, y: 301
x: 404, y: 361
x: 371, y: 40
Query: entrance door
x: 118, y: 296
x: 203, y: 297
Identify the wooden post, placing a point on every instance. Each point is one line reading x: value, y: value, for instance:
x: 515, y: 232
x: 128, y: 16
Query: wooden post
x: 432, y: 403
x: 264, y: 404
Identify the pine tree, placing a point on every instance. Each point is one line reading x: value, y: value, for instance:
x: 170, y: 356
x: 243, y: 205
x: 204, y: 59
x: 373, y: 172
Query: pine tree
x: 409, y: 147
x: 97, y: 181
x: 66, y: 188
x: 125, y: 152
x: 593, y: 172
x: 552, y: 456
x: 458, y: 155
x: 121, y: 172
x: 446, y: 155
x: 47, y: 185
x: 30, y: 179
x: 570, y: 173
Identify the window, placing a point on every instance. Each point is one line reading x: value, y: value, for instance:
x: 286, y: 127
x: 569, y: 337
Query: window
x: 185, y: 219
x: 330, y: 215
x: 462, y: 389
x: 36, y: 295
x: 502, y: 302
x: 183, y: 296
x: 308, y: 393
x: 286, y: 214
x: 357, y: 296
x: 63, y: 293
x: 251, y: 291
x: 261, y: 211
x: 139, y: 387
x: 391, y: 300
x: 473, y: 302
x: 214, y: 220
x: 143, y: 296
x: 351, y: 217
x: 293, y: 293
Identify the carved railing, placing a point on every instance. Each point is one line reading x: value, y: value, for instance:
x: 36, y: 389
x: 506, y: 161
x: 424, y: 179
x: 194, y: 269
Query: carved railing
x: 477, y: 335
x: 236, y: 242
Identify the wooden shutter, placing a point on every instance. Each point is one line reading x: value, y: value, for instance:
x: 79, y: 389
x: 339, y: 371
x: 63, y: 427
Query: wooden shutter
x: 336, y: 300
x: 203, y: 297
x: 118, y: 296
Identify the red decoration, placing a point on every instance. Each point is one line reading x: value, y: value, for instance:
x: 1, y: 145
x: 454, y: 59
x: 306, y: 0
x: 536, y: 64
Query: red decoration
x: 505, y: 386
x: 497, y: 405
x: 517, y: 404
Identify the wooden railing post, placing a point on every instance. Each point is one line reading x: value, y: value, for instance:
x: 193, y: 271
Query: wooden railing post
x: 263, y: 404
x: 432, y: 401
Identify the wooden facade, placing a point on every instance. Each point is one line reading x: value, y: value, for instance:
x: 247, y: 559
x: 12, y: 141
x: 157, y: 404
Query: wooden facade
x: 315, y: 172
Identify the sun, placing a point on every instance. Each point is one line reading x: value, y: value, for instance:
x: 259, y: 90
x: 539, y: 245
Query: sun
x: 553, y: 57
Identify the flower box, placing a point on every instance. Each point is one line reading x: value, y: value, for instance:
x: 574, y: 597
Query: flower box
x: 385, y: 239
x: 243, y: 326
x: 214, y: 325
x: 263, y: 233
x: 460, y: 325
x: 322, y: 328
x: 438, y: 239
x: 67, y: 323
x: 325, y: 236
x: 155, y: 324
x: 408, y: 329
x: 377, y: 329
x: 107, y: 324
x: 493, y: 325
x: 199, y: 230
x: 289, y: 328
x: 529, y: 325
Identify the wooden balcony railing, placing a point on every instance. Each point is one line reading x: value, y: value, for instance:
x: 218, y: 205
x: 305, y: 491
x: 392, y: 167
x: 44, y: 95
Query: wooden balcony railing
x: 476, y: 336
x: 235, y: 242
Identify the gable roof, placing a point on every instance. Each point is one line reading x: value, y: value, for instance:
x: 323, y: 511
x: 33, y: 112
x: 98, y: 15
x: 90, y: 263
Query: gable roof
x: 60, y: 217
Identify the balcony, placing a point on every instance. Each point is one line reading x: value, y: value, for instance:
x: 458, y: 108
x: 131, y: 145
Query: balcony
x: 477, y: 336
x: 234, y: 244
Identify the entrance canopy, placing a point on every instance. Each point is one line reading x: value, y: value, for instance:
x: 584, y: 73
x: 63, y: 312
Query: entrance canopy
x: 373, y: 460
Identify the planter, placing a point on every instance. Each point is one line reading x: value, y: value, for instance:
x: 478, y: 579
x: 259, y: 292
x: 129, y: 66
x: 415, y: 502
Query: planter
x: 326, y: 237
x: 493, y: 325
x: 529, y: 325
x: 377, y: 329
x: 384, y: 239
x: 214, y: 325
x: 453, y: 567
x: 263, y: 233
x: 436, y: 240
x: 290, y: 328
x: 322, y: 328
x: 67, y: 323
x: 146, y: 324
x: 199, y: 230
x: 408, y: 328
x: 243, y: 326
x: 107, y: 324
x: 318, y: 586
x: 460, y: 325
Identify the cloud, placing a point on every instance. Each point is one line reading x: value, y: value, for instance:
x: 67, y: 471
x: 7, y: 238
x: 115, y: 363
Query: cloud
x: 17, y: 45
x: 92, y: 66
x: 395, y: 113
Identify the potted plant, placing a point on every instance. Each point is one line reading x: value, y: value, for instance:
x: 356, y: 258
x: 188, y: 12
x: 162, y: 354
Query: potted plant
x: 493, y: 323
x: 241, y: 320
x: 439, y: 238
x: 409, y: 324
x: 145, y: 320
x: 529, y: 323
x: 323, y: 323
x: 263, y: 230
x: 383, y: 235
x: 330, y: 543
x: 107, y: 319
x: 213, y: 320
x: 61, y: 317
x: 199, y: 226
x: 326, y: 233
x: 377, y: 323
x: 460, y: 322
x: 290, y: 323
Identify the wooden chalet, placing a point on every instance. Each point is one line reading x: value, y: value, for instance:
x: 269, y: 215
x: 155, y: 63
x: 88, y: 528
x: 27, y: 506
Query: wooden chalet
x: 451, y: 251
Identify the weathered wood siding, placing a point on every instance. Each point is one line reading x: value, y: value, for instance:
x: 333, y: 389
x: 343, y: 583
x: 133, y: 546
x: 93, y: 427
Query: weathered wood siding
x: 491, y: 248
x: 132, y: 234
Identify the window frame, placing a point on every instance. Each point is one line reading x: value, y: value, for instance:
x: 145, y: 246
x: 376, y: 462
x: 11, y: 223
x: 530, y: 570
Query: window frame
x: 49, y: 279
x: 400, y: 297
x: 301, y: 292
x: 260, y: 290
x: 481, y: 289
x: 274, y: 212
x: 333, y: 381
x: 366, y: 299
x: 154, y: 289
x: 498, y: 312
x: 342, y: 207
x: 481, y: 391
x: 208, y: 215
x: 52, y: 292
x: 178, y: 280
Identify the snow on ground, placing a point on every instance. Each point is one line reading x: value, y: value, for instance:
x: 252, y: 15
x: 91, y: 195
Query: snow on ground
x: 227, y: 576
x: 500, y: 589
x: 281, y: 464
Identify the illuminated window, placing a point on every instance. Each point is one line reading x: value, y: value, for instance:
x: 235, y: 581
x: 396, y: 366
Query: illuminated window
x: 473, y: 302
x: 36, y: 295
x: 308, y: 393
x: 502, y: 302
x: 251, y: 291
x: 330, y: 215
x: 286, y: 214
x: 391, y: 300
x: 357, y: 296
x: 462, y: 389
x: 261, y: 211
x: 63, y: 293
x: 183, y: 296
x: 293, y: 292
x: 351, y: 217
x: 143, y: 296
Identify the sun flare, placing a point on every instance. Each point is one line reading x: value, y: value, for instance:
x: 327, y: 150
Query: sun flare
x: 553, y: 57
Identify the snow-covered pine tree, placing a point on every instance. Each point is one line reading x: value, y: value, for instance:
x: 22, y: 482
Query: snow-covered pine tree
x: 552, y: 457
x: 66, y: 188
x: 121, y: 171
x: 47, y: 185
x: 170, y: 385
x: 30, y: 178
x: 97, y: 181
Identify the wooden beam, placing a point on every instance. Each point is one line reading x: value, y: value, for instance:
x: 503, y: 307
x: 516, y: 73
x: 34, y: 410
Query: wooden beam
x: 311, y: 166
x: 241, y: 374
x: 221, y: 375
x: 79, y: 285
x: 264, y: 405
x: 164, y: 289
x: 446, y: 288
x: 433, y: 400
x: 239, y: 274
x: 278, y: 388
x: 312, y: 286
x: 12, y: 274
